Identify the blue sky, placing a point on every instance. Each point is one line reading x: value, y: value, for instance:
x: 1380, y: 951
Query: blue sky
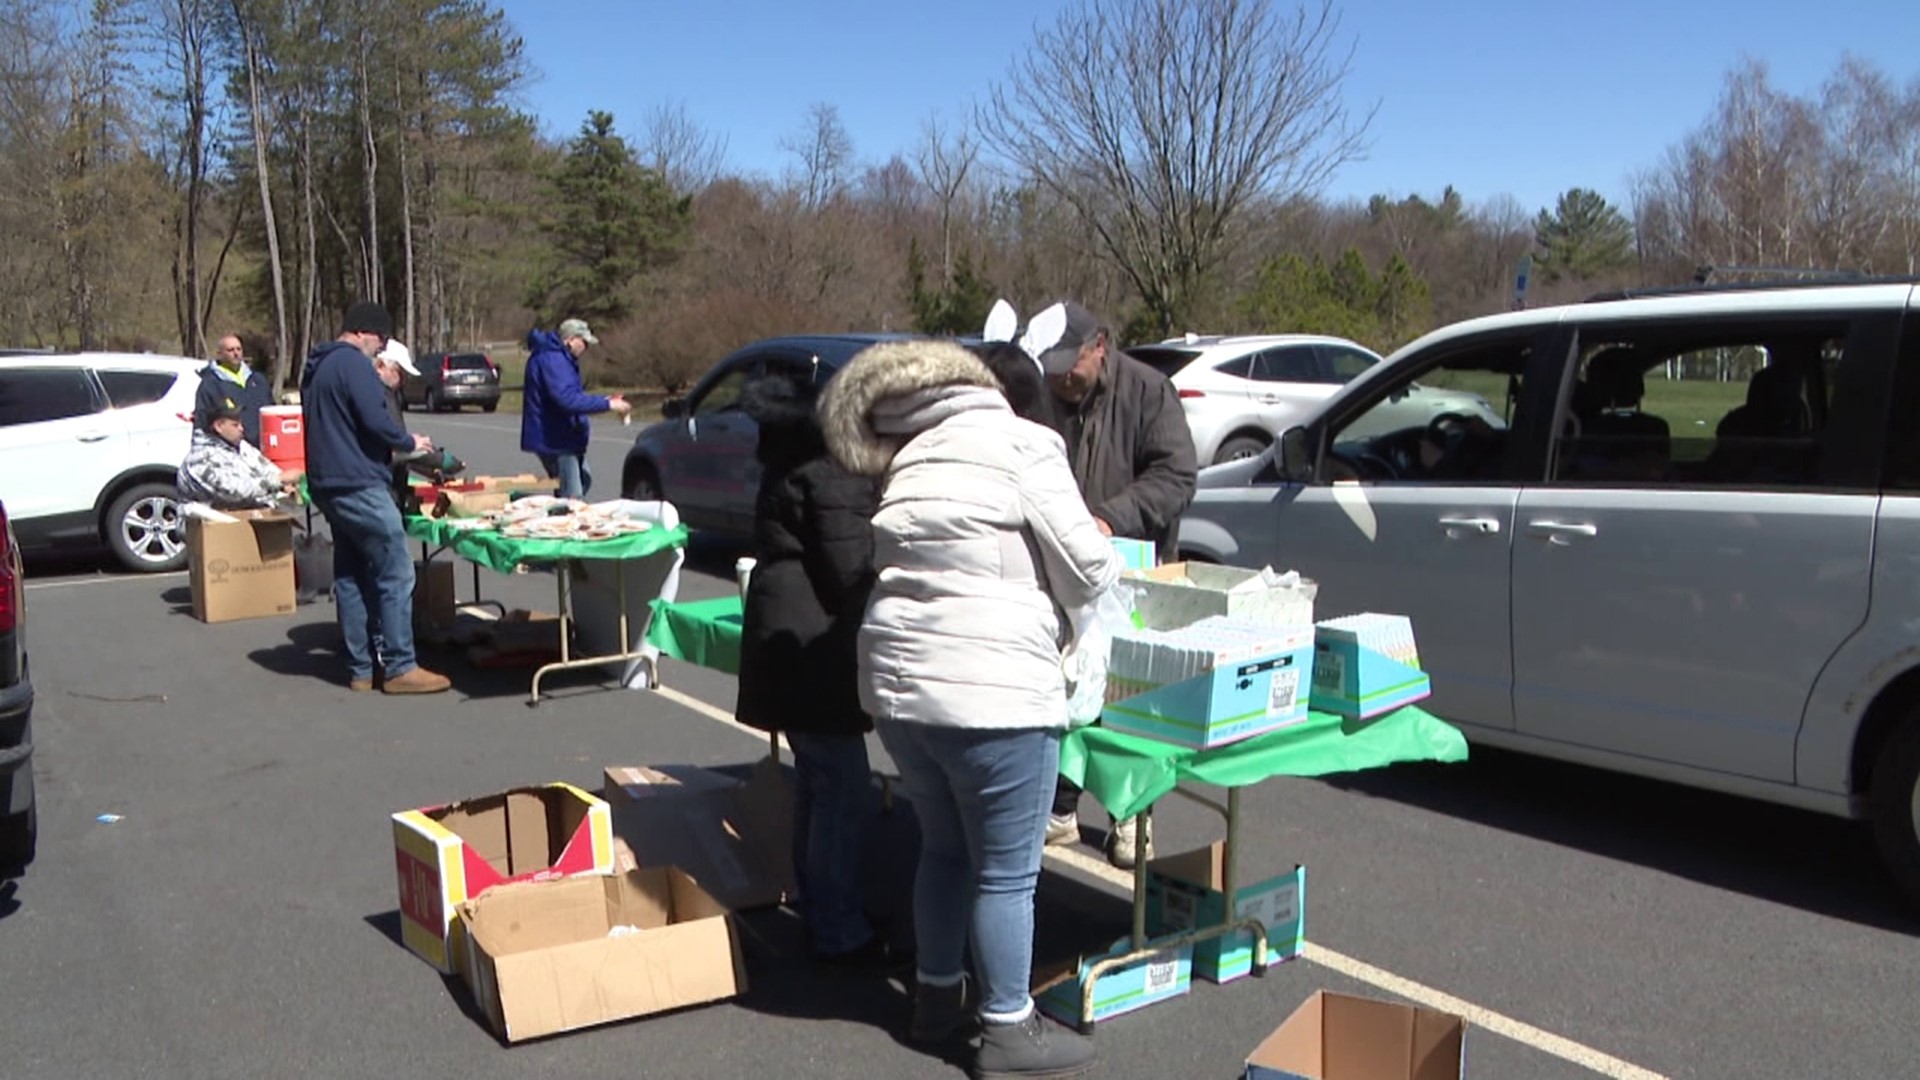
x: 1491, y: 97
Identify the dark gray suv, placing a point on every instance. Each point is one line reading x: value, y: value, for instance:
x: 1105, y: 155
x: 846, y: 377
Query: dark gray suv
x: 450, y: 380
x: 701, y: 457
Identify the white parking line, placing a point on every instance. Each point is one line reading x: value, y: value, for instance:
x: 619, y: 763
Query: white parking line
x: 1358, y: 970
x: 34, y: 586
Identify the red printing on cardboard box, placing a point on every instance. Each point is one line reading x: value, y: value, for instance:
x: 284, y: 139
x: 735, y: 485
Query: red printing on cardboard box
x: 420, y: 892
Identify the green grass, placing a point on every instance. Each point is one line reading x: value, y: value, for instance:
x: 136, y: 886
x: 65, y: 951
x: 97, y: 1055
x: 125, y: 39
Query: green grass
x: 1691, y: 407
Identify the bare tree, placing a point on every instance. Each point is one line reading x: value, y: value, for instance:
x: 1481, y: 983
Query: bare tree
x: 1160, y: 120
x: 944, y: 160
x: 689, y: 156
x: 823, y: 153
x: 250, y: 32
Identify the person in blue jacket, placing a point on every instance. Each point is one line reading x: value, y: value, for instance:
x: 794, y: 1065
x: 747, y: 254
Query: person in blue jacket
x: 555, y: 406
x: 351, y: 438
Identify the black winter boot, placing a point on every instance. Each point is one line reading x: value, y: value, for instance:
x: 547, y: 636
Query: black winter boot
x: 1032, y: 1050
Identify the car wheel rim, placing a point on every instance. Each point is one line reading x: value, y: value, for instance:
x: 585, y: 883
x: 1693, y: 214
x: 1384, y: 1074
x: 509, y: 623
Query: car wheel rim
x: 152, y: 529
x: 1243, y: 455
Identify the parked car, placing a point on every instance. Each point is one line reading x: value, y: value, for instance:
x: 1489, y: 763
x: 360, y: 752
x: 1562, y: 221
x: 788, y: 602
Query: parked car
x: 701, y: 457
x: 1688, y: 554
x: 1239, y: 392
x: 19, y: 821
x: 89, y: 444
x: 450, y: 380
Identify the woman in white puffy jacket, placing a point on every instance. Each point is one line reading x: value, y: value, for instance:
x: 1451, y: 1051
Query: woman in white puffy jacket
x: 980, y: 541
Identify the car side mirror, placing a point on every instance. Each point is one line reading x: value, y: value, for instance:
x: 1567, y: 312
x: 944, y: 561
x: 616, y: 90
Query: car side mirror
x: 674, y: 408
x: 1294, y: 456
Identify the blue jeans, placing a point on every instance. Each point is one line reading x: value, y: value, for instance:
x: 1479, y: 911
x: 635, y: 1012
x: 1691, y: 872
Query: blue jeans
x: 981, y: 797
x: 832, y: 801
x: 572, y: 472
x: 372, y: 578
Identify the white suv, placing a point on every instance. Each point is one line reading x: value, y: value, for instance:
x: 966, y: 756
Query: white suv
x: 1692, y: 551
x: 1239, y: 392
x: 89, y: 444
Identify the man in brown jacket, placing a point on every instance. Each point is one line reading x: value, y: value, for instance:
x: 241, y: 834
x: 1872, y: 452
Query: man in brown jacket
x: 1132, y: 453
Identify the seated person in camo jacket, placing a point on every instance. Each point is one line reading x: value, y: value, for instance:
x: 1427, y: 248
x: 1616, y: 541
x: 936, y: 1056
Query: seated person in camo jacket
x: 226, y: 471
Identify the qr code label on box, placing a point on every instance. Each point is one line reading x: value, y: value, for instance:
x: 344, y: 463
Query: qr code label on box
x: 1286, y: 686
x: 1162, y: 975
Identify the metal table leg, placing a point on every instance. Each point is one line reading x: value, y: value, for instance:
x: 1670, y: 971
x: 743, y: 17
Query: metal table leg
x: 1140, y: 946
x: 563, y: 583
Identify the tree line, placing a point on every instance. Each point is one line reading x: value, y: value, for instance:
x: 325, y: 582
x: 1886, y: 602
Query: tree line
x: 171, y: 169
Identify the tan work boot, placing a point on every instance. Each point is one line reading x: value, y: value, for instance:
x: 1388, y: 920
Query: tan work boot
x: 417, y: 681
x: 360, y: 686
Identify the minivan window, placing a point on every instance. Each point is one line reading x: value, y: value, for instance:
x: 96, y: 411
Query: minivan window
x: 1732, y: 408
x: 37, y: 395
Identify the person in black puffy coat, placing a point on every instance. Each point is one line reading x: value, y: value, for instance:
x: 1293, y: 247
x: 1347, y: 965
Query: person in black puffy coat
x: 813, y: 539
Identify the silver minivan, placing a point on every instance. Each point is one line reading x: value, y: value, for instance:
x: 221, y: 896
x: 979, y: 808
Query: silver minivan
x: 1691, y: 551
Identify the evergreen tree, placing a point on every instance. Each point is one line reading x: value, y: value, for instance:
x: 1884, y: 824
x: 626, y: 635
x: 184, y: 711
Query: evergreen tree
x: 1582, y: 238
x: 608, y: 221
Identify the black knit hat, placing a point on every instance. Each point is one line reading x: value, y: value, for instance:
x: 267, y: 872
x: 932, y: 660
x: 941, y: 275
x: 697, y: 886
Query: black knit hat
x: 367, y: 317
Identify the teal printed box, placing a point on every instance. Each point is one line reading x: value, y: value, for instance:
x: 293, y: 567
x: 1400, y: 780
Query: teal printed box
x: 1167, y: 973
x: 1184, y: 892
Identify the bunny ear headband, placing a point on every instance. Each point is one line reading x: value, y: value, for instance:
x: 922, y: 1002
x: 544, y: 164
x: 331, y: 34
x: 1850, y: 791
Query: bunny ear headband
x: 1044, y: 331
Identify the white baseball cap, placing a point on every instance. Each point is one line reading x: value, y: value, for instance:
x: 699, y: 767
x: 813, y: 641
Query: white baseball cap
x: 399, y: 355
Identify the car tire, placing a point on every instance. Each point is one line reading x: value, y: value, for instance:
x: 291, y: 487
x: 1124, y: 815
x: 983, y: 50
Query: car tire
x: 1895, y: 805
x: 1240, y: 448
x: 145, y: 529
x: 19, y: 837
x: 491, y: 406
x: 645, y: 486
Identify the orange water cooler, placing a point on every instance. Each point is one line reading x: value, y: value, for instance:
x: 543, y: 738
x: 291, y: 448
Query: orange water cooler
x: 283, y: 436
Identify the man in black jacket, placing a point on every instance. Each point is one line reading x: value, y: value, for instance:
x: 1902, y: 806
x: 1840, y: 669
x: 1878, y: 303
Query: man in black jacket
x: 231, y: 383
x: 1132, y: 452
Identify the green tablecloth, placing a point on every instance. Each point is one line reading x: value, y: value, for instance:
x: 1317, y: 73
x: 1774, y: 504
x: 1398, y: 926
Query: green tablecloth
x: 503, y: 553
x: 1126, y: 773
x: 704, y: 632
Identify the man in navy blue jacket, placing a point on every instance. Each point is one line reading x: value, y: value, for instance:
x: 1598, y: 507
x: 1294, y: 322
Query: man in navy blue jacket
x: 350, y: 440
x: 555, y: 406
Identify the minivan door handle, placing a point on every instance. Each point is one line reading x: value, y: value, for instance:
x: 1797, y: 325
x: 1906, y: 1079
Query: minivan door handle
x: 1557, y: 532
x: 91, y: 436
x: 1485, y: 526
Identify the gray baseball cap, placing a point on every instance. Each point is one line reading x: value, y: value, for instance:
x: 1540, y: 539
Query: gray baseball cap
x: 1082, y: 327
x: 577, y: 328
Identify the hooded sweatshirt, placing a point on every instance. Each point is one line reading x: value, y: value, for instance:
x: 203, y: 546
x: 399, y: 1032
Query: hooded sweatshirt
x: 554, y: 410
x: 980, y: 540
x: 350, y: 435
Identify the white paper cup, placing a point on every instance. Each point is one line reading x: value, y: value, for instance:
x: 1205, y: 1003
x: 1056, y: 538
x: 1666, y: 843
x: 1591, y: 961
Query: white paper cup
x: 743, y: 571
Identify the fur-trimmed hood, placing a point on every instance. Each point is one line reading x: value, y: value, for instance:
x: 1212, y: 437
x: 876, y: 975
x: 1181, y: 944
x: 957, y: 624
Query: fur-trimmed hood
x: 889, y: 392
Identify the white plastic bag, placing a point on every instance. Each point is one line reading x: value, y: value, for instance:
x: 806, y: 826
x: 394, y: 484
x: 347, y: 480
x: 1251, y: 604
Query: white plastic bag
x: 1085, y: 660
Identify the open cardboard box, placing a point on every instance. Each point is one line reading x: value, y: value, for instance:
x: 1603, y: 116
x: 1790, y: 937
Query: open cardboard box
x: 1342, y: 1037
x: 1184, y: 892
x: 445, y: 855
x: 1180, y: 594
x: 734, y: 838
x: 240, y: 567
x: 552, y: 956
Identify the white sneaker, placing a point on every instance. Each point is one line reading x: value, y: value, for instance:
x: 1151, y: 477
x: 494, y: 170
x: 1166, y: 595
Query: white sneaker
x: 1063, y: 829
x: 1120, y: 842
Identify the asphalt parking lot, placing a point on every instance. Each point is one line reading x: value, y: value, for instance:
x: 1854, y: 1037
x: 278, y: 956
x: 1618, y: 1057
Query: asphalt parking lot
x: 239, y: 919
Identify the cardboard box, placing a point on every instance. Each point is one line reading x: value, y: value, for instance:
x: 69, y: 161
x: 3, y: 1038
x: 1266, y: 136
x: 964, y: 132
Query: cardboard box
x: 556, y: 956
x: 1185, y: 892
x: 519, y: 484
x: 1366, y: 665
x: 1181, y: 594
x: 735, y: 839
x: 1342, y: 1037
x: 433, y: 607
x: 243, y: 568
x: 445, y: 855
x: 1234, y: 701
x: 465, y: 504
x: 1167, y: 973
